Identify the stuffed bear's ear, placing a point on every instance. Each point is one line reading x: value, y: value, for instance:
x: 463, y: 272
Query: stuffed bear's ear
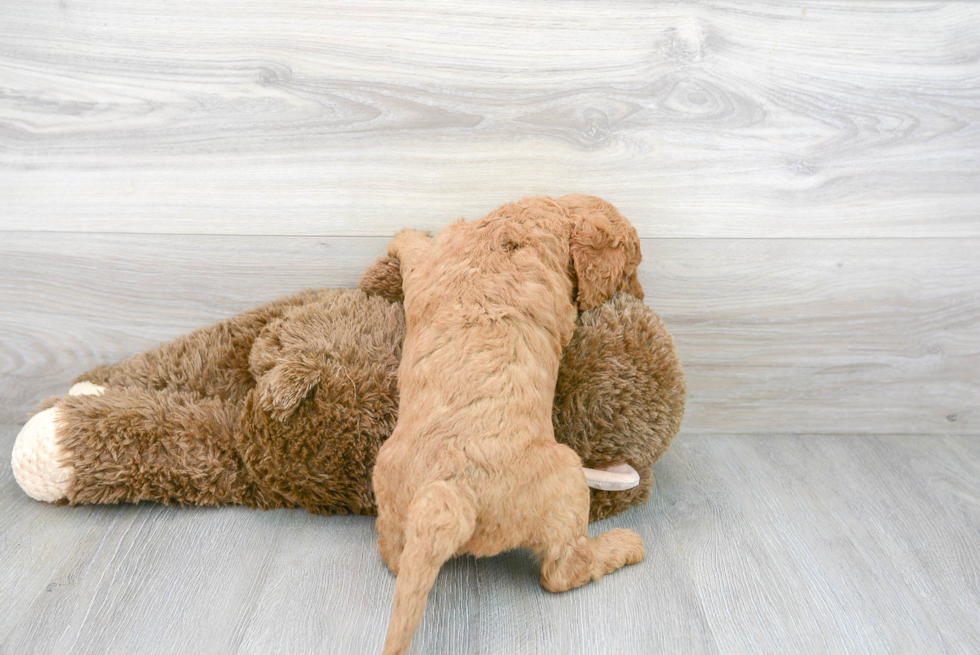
x: 282, y: 380
x: 283, y: 387
x: 599, y: 258
x: 383, y: 278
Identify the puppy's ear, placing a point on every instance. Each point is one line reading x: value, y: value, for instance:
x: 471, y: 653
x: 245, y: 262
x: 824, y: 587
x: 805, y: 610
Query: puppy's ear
x: 383, y: 278
x: 599, y: 259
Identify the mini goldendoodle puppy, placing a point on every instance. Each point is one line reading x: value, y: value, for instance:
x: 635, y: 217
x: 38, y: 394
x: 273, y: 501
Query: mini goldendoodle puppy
x: 472, y: 465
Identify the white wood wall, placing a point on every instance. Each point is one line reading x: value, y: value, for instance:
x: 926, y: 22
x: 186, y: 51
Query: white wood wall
x: 806, y: 177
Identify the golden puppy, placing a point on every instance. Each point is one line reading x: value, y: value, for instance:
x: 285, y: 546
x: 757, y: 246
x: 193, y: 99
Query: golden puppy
x: 472, y: 465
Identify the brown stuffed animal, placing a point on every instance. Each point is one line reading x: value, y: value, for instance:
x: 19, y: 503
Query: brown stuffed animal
x: 286, y: 405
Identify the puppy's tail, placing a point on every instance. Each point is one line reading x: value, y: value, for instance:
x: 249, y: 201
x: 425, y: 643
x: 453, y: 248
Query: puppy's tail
x: 441, y: 518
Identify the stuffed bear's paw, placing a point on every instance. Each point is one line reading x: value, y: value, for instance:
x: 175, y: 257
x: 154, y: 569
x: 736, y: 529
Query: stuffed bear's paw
x: 86, y: 389
x: 383, y: 278
x: 619, y: 477
x: 37, y: 459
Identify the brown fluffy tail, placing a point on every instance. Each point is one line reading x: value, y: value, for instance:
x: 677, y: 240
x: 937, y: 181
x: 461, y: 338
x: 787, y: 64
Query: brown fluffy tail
x: 441, y: 519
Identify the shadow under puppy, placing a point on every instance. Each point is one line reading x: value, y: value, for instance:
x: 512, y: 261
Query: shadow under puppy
x: 472, y: 465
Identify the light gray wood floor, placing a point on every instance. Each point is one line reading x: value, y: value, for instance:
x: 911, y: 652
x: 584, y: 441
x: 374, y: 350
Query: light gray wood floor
x: 783, y: 544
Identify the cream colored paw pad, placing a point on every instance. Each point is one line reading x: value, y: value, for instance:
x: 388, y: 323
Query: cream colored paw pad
x: 86, y: 389
x: 37, y: 457
x: 612, y: 478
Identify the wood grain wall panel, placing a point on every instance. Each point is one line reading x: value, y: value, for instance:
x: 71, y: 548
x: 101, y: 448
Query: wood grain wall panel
x: 73, y: 301
x: 775, y: 335
x: 813, y: 335
x: 699, y: 119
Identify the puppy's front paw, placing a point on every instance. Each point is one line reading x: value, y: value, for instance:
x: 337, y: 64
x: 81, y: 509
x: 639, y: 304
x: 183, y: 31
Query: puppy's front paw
x: 38, y: 458
x: 407, y: 241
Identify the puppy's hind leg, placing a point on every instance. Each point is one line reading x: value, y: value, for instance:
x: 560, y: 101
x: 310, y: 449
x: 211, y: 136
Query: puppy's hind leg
x: 582, y: 560
x: 391, y: 541
x: 442, y: 518
x: 569, y: 558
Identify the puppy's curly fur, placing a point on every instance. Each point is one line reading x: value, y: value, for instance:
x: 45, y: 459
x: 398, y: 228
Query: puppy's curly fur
x: 473, y: 465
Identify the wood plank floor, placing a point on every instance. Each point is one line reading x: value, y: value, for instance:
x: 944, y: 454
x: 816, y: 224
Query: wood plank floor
x: 831, y: 544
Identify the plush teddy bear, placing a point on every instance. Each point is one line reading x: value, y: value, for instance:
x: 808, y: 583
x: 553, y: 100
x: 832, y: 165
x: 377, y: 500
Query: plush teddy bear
x: 286, y: 405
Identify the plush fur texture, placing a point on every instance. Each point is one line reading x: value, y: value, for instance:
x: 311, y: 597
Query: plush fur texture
x: 473, y: 465
x: 285, y: 405
x: 620, y: 395
x: 206, y: 420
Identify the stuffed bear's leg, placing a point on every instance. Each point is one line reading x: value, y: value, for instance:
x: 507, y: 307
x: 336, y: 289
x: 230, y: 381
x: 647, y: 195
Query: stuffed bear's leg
x: 210, y: 361
x: 132, y: 444
x: 40, y: 464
